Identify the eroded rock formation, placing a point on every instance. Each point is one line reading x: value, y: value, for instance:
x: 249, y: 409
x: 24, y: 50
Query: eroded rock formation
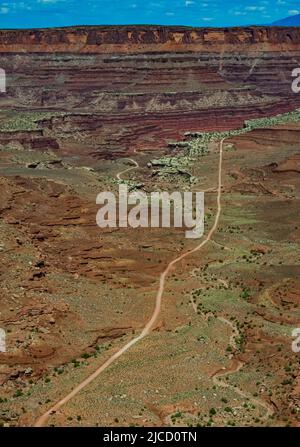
x: 138, y: 87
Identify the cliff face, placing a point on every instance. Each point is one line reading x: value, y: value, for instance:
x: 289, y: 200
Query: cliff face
x: 130, y: 39
x: 137, y: 87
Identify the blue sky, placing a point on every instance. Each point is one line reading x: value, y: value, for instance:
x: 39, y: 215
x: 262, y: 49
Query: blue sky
x: 46, y: 13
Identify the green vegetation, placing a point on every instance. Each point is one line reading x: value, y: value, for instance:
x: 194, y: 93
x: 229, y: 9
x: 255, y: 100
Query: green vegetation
x: 212, y: 412
x: 25, y: 121
x: 18, y: 393
x: 169, y: 166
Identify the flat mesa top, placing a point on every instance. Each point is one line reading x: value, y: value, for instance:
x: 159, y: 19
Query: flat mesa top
x: 137, y: 38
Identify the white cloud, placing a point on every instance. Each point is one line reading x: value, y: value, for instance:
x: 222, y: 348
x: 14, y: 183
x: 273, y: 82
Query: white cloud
x: 255, y: 8
x: 47, y: 1
x: 189, y: 2
x: 293, y: 12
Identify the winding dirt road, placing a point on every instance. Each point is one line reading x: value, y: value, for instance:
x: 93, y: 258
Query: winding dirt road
x: 136, y: 165
x: 42, y: 420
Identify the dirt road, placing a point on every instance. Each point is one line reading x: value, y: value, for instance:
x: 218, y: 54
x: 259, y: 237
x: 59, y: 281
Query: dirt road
x: 149, y: 326
x: 136, y: 165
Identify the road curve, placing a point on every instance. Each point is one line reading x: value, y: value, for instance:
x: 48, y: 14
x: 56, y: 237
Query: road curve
x: 41, y: 421
x: 136, y: 165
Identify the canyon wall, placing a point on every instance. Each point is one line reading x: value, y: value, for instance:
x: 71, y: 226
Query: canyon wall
x: 128, y: 87
x: 132, y: 39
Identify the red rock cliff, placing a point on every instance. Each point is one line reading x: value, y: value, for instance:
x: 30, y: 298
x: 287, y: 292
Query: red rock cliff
x: 140, y: 86
x: 128, y: 39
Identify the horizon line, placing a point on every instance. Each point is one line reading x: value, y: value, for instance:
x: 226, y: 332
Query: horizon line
x: 149, y: 26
